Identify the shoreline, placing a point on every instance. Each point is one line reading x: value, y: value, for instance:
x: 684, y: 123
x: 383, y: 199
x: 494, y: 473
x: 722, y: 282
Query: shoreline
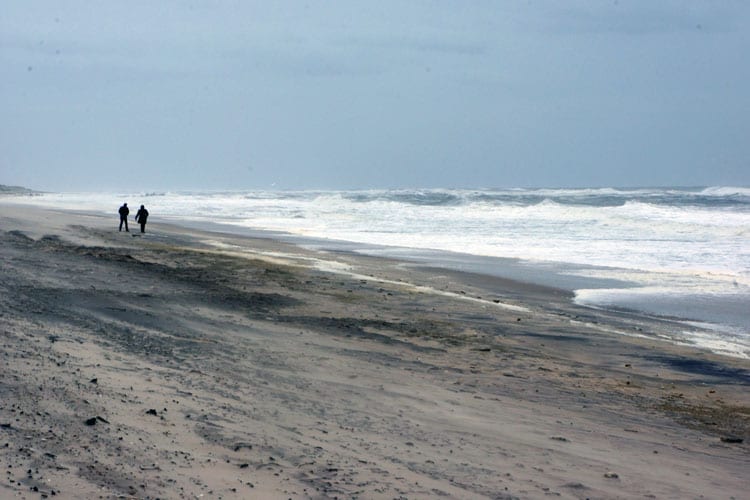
x: 334, y: 256
x: 235, y: 366
x: 714, y: 333
x: 719, y: 313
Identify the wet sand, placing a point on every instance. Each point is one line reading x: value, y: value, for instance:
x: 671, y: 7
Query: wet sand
x: 188, y: 364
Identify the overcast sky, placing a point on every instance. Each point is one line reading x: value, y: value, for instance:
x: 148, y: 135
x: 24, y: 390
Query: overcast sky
x: 141, y: 95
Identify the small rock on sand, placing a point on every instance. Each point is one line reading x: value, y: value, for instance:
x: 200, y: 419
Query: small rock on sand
x: 732, y: 439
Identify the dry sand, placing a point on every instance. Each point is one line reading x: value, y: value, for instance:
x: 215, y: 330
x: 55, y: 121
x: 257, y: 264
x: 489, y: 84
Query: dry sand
x: 187, y: 364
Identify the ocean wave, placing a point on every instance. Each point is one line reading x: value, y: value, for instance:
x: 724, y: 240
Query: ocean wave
x: 728, y: 191
x: 419, y: 197
x: 593, y: 197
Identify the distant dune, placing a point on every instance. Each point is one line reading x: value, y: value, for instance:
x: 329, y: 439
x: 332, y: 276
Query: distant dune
x: 15, y: 190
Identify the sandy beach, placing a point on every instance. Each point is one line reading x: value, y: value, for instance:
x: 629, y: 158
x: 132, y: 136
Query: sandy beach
x: 195, y: 364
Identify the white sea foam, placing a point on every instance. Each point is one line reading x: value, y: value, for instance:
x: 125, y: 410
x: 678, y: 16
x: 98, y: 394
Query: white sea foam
x: 718, y: 338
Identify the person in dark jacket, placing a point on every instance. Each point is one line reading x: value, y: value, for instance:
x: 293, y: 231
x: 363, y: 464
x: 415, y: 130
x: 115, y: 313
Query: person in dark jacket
x: 140, y: 218
x: 124, y: 211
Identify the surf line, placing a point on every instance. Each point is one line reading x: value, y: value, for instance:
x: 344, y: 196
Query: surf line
x: 336, y: 267
x: 345, y: 269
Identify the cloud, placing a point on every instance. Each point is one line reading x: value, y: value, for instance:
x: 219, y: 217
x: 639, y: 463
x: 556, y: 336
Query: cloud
x: 645, y: 17
x: 437, y: 44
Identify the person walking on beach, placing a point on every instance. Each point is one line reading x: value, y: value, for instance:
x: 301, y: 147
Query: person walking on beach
x: 124, y: 211
x: 140, y: 218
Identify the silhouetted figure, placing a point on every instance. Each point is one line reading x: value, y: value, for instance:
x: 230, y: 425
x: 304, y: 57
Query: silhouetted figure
x: 124, y: 211
x: 140, y: 218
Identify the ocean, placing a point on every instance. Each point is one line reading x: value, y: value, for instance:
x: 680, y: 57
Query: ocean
x: 676, y: 252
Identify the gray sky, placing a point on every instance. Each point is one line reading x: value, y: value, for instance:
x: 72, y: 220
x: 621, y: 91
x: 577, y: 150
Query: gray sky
x: 141, y: 95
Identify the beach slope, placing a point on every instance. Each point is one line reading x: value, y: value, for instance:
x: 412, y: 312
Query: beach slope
x: 183, y: 363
